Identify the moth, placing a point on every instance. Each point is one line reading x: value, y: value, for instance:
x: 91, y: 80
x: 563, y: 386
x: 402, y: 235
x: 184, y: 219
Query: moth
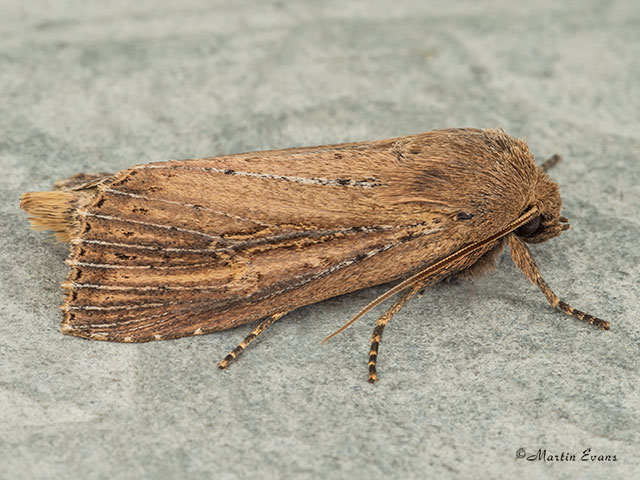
x: 180, y: 248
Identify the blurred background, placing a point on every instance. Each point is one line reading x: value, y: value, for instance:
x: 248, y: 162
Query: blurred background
x: 469, y: 373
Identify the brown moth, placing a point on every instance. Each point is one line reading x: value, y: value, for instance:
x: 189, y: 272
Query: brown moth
x: 181, y: 248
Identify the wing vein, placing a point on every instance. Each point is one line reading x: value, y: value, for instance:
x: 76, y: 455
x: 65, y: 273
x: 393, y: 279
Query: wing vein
x: 172, y: 228
x: 184, y: 204
x: 364, y: 183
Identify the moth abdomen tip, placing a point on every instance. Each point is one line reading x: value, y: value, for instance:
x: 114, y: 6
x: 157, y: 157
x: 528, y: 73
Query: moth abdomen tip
x: 51, y: 211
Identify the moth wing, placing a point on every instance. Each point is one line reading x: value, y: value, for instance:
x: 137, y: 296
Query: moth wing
x: 182, y: 248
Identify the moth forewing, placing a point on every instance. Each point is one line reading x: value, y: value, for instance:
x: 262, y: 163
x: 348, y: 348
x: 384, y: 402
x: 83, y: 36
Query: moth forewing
x: 181, y: 248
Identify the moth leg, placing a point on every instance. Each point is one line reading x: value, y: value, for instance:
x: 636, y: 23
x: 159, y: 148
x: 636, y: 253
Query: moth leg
x: 267, y: 322
x: 551, y: 162
x: 524, y: 261
x: 376, y: 336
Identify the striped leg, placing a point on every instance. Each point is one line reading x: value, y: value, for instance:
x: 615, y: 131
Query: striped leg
x: 376, y: 337
x: 524, y: 261
x: 250, y: 338
x: 551, y: 162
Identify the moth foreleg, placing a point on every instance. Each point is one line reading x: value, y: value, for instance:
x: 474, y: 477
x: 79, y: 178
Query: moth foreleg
x: 250, y: 338
x: 376, y: 336
x: 551, y: 162
x: 524, y: 261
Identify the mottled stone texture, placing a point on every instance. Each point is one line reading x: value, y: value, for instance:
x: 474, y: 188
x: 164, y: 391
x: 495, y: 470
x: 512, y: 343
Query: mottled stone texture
x: 469, y: 373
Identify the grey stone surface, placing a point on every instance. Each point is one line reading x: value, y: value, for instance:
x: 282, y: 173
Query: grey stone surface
x: 470, y: 372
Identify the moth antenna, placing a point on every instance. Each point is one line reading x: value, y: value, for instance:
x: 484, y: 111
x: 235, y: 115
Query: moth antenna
x: 51, y: 211
x: 550, y: 163
x: 521, y: 256
x: 439, y: 269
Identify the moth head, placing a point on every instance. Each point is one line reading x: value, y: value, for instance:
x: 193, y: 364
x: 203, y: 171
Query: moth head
x: 545, y: 197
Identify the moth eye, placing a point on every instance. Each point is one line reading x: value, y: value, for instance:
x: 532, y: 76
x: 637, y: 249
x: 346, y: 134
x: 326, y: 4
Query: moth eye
x: 530, y: 228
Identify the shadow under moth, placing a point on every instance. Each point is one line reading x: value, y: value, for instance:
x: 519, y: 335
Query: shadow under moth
x: 179, y: 248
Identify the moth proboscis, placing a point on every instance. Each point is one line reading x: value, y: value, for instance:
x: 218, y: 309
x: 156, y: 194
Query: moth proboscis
x: 179, y: 248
